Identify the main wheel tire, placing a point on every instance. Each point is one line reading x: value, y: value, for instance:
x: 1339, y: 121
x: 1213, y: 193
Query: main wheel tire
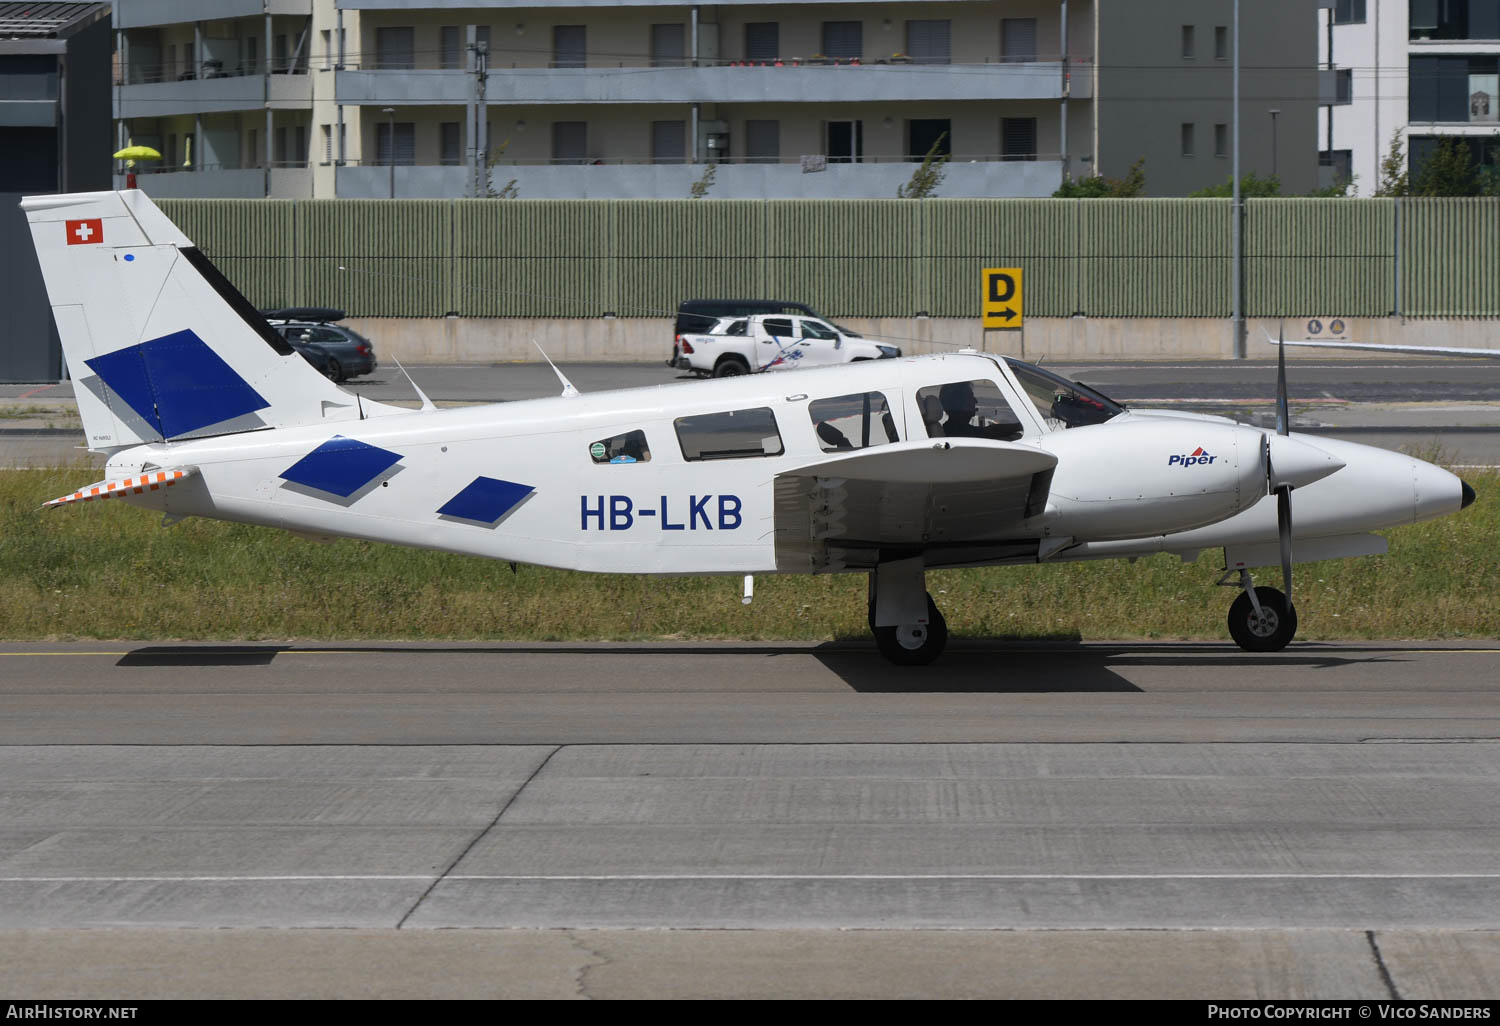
x: 730, y: 366
x: 1268, y: 633
x: 914, y: 646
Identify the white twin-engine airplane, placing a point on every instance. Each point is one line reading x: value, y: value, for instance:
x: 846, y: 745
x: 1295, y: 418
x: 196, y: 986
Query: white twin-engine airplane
x: 889, y: 468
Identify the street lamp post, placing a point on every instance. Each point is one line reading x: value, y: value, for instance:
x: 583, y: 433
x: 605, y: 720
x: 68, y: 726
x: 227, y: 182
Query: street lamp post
x: 390, y: 113
x: 1273, y: 112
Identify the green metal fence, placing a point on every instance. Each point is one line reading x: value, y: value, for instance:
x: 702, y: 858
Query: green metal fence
x: 850, y: 258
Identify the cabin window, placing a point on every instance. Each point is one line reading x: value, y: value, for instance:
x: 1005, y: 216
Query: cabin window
x: 630, y: 447
x: 968, y: 409
x: 857, y: 421
x: 737, y: 434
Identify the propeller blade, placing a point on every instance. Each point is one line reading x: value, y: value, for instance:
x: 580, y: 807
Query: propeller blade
x: 1283, y: 419
x: 1284, y: 529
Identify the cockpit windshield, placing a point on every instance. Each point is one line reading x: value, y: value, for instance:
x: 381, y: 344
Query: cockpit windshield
x: 1063, y: 403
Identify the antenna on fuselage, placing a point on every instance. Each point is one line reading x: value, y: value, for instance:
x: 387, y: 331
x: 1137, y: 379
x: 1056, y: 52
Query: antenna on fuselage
x: 569, y: 392
x: 427, y: 404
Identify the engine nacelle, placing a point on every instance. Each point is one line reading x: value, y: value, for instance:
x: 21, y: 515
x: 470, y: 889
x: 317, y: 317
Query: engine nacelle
x: 1151, y: 475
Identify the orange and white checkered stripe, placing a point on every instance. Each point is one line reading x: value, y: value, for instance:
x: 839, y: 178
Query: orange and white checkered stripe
x: 151, y: 482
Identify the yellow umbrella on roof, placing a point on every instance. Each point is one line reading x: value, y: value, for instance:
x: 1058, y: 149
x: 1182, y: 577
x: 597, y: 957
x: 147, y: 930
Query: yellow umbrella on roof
x: 130, y: 155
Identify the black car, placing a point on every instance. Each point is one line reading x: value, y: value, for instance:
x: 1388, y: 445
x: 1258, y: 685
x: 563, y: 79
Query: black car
x: 337, y: 351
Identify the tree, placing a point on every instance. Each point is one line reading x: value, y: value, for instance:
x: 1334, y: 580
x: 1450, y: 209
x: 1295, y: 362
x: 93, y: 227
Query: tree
x: 1131, y: 186
x: 1395, y: 179
x: 1342, y: 188
x: 704, y: 183
x: 926, y: 178
x: 1447, y: 171
x: 1252, y: 186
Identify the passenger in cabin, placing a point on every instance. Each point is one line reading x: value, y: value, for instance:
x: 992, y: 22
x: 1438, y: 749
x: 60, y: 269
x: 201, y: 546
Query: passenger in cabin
x: 961, y: 409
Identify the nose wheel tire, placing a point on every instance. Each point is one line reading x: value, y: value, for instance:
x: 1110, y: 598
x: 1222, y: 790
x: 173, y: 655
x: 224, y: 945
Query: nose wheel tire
x: 1271, y: 630
x: 914, y: 644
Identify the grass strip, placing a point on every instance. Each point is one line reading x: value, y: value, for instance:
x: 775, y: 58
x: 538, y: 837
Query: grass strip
x: 108, y: 570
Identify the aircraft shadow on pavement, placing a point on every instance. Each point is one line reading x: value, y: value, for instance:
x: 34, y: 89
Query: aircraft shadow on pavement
x: 202, y: 655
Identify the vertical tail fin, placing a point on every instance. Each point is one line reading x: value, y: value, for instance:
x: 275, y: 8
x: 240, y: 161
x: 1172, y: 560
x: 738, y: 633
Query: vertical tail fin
x: 160, y: 345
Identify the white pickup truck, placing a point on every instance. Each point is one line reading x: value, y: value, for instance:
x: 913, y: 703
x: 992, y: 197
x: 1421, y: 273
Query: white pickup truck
x: 771, y: 342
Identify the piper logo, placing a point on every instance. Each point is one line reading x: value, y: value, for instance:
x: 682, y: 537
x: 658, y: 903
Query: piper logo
x: 1191, y: 459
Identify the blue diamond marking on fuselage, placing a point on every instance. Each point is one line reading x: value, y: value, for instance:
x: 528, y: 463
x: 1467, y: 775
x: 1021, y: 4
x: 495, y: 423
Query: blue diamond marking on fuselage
x: 340, y: 466
x: 485, y: 500
x: 177, y: 383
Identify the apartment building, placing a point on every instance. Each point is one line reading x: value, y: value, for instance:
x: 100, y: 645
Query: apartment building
x: 1423, y: 69
x: 642, y: 99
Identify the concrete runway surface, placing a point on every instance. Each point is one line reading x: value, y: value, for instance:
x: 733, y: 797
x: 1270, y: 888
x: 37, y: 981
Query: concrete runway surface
x: 724, y: 820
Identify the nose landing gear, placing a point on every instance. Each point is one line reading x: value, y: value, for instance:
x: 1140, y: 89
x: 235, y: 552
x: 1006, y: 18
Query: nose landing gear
x: 1260, y: 619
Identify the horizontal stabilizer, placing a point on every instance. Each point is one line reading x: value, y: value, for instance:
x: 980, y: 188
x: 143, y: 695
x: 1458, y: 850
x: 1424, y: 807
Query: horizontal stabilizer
x: 140, y: 484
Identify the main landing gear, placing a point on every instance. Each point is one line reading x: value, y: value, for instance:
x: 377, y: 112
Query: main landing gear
x: 1260, y: 619
x: 908, y: 627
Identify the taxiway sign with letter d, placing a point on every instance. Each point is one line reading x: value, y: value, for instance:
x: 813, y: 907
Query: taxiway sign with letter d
x: 1000, y: 300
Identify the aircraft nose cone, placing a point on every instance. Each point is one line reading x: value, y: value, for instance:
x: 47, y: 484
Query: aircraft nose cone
x: 1468, y: 494
x: 1298, y: 464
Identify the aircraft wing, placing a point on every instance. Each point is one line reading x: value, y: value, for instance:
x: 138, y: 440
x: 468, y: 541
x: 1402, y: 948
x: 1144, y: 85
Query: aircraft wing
x: 1373, y: 347
x: 956, y: 501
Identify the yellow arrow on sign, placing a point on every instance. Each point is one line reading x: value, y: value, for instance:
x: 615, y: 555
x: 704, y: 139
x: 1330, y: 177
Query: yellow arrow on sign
x: 1000, y: 300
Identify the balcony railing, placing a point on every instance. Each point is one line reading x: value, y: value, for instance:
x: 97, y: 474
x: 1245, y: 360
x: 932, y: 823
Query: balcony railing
x: 721, y: 82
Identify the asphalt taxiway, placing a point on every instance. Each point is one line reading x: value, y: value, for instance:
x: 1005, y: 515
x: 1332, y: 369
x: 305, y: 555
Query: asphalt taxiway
x: 731, y: 820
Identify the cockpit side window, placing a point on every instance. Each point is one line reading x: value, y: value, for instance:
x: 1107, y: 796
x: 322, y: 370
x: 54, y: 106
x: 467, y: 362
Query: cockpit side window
x: 968, y: 409
x: 858, y: 421
x: 630, y: 447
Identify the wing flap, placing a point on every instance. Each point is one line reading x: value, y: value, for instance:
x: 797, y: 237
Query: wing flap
x: 955, y: 497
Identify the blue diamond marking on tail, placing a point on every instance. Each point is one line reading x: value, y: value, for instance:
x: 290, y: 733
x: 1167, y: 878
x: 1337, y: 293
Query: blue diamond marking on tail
x: 340, y: 466
x: 177, y: 383
x: 485, y: 500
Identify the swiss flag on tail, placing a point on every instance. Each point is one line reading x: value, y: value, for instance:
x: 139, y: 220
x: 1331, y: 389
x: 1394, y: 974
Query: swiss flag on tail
x: 81, y: 233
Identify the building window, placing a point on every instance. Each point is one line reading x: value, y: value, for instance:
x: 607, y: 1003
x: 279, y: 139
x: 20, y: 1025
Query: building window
x: 450, y: 147
x: 762, y: 40
x: 1453, y: 89
x: 327, y: 48
x: 450, y: 47
x: 668, y: 142
x: 570, y: 142
x: 762, y: 142
x: 1221, y: 42
x: 405, y: 150
x: 1188, y: 44
x: 929, y: 42
x: 1018, y: 139
x: 846, y: 143
x: 569, y: 46
x: 279, y: 151
x: 668, y: 48
x: 1339, y: 165
x: 328, y: 144
x: 1452, y: 19
x: 1018, y: 39
x: 395, y: 49
x: 1187, y: 139
x: 1346, y: 12
x: 922, y: 134
x: 1221, y: 140
x: 843, y: 40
